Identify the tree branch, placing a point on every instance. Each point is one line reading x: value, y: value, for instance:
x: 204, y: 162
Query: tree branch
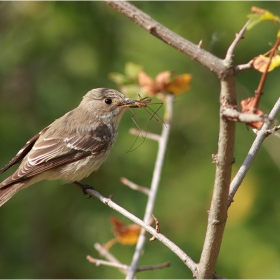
x: 259, y: 91
x: 225, y: 71
x: 134, y: 186
x: 155, y: 184
x: 230, y: 51
x: 242, y: 67
x: 218, y: 210
x: 234, y: 115
x: 125, y: 267
x: 195, y: 52
x: 148, y: 135
x: 262, y: 134
x: 168, y: 243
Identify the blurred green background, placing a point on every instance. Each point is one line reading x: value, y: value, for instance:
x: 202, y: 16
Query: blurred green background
x: 51, y: 54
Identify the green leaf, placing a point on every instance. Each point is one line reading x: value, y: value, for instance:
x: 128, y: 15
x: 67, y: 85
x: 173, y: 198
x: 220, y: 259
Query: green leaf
x: 132, y: 70
x: 275, y: 62
x: 261, y: 15
x: 118, y: 78
x: 254, y: 20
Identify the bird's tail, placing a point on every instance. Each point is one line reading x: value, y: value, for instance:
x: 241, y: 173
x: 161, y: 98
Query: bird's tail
x: 9, y: 192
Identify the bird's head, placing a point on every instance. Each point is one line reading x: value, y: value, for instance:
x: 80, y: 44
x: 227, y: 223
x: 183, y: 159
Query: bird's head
x: 107, y: 104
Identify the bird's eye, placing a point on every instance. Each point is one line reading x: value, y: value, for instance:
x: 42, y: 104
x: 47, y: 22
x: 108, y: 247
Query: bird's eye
x: 108, y: 101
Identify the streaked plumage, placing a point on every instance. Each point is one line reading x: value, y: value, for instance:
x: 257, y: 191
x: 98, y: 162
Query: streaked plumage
x: 70, y: 148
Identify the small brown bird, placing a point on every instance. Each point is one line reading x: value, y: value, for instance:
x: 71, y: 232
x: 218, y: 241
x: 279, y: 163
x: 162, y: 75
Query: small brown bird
x: 73, y: 146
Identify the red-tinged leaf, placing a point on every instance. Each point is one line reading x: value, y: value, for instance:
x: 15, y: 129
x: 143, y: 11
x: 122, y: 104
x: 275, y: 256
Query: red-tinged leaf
x: 247, y: 106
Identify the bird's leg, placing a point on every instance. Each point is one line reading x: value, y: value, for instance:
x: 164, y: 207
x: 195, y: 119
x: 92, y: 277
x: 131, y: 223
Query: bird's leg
x: 83, y: 187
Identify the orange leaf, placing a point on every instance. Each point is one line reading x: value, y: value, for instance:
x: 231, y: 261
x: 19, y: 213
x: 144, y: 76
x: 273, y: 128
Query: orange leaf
x: 180, y: 84
x: 126, y: 234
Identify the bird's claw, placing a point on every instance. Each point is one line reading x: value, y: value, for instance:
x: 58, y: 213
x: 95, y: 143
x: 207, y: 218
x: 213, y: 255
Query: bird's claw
x: 84, y: 188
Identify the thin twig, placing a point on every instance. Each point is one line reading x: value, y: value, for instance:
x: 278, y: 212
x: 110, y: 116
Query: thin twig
x: 134, y: 186
x: 155, y: 184
x: 152, y: 267
x: 125, y: 267
x: 230, y: 52
x: 169, y: 37
x: 242, y: 67
x: 259, y: 91
x: 106, y: 254
x: 268, y: 131
x: 164, y: 240
x: 113, y: 264
x: 237, y: 180
x: 148, y: 135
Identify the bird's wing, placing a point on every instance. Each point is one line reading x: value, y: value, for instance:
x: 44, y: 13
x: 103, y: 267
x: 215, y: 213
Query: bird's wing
x: 23, y: 151
x: 50, y: 152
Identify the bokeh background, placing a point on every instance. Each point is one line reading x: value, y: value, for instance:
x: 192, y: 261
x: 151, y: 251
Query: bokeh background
x: 51, y: 54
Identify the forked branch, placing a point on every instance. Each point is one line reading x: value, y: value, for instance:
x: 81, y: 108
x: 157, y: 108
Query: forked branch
x: 168, y: 243
x: 262, y: 134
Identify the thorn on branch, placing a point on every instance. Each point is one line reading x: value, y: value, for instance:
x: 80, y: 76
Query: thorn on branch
x: 214, y: 158
x: 153, y: 238
x: 268, y: 131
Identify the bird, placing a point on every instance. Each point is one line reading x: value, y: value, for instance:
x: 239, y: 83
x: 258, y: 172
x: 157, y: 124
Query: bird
x: 71, y: 147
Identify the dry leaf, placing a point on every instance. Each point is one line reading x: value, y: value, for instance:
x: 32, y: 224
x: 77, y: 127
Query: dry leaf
x: 260, y: 63
x: 162, y: 79
x: 247, y: 107
x: 180, y: 84
x: 146, y: 83
x: 162, y: 83
x: 125, y: 234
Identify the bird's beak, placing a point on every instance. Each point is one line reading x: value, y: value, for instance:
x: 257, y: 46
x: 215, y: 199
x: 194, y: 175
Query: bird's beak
x: 128, y: 103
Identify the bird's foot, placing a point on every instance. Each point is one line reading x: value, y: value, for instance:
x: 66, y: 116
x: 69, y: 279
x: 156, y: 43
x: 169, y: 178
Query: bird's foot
x: 84, y: 187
